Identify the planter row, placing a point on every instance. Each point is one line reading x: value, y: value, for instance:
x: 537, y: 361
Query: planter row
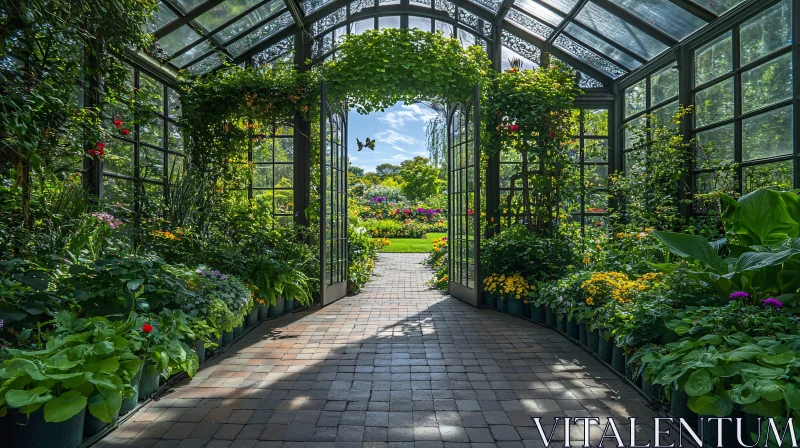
x: 27, y: 431
x: 614, y: 357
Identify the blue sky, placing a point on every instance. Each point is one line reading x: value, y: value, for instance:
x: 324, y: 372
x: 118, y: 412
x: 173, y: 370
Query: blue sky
x: 399, y: 133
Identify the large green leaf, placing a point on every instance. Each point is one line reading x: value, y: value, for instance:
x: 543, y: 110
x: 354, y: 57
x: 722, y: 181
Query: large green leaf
x: 700, y: 382
x: 718, y: 405
x: 744, y: 393
x: 64, y: 407
x: 20, y: 398
x: 763, y: 217
x: 695, y: 247
x: 106, y: 404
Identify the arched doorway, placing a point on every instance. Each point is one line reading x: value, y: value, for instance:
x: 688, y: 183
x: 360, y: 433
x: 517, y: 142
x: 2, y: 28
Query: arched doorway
x: 463, y: 190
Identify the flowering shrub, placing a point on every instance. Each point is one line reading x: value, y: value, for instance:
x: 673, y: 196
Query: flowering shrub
x: 222, y: 299
x: 395, y: 229
x: 437, y: 259
x: 508, y: 286
x: 617, y: 286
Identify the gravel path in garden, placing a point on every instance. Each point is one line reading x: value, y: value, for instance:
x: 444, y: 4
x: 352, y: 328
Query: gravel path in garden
x: 397, y: 365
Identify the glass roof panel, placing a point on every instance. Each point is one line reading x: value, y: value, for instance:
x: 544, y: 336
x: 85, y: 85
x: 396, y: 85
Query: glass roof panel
x: 245, y: 23
x: 583, y: 35
x: 585, y: 81
x: 311, y: 5
x: 621, y: 32
x: 521, y: 47
x: 188, y: 5
x: 224, y: 12
x: 329, y: 21
x: 664, y: 15
x: 529, y: 24
x: 248, y: 41
x: 161, y: 17
x: 587, y: 55
x: 206, y: 64
x: 178, y: 39
x: 491, y: 5
x: 471, y: 20
x: 717, y: 6
x: 539, y: 11
x: 275, y: 51
x: 509, y: 55
x: 564, y: 6
x: 191, y: 54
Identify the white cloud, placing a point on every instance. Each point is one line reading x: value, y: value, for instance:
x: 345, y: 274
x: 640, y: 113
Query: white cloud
x: 409, y: 114
x: 397, y: 148
x: 391, y: 137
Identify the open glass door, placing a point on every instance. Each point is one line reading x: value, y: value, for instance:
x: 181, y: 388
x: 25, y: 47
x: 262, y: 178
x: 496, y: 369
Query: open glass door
x: 464, y: 182
x: 333, y: 200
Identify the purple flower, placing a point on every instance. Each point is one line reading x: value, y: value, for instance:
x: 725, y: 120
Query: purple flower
x: 420, y: 210
x: 223, y: 277
x: 773, y: 302
x: 739, y: 295
x: 1, y: 323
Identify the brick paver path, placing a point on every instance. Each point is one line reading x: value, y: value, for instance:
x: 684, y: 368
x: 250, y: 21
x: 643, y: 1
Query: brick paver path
x: 396, y: 366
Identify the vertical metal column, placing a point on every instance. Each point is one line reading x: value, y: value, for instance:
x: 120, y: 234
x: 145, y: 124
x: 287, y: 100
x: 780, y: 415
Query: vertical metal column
x: 302, y: 139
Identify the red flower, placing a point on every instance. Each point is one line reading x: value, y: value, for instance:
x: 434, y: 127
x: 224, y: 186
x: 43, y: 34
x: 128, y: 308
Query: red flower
x: 552, y: 134
x: 598, y: 224
x: 470, y: 212
x: 125, y: 131
x: 515, y: 128
x: 100, y: 145
x: 118, y: 123
x: 147, y: 328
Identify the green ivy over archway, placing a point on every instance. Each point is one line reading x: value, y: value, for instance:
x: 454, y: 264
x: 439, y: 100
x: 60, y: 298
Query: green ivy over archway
x: 379, y: 68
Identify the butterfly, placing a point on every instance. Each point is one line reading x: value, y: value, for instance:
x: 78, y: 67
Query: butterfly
x: 369, y: 144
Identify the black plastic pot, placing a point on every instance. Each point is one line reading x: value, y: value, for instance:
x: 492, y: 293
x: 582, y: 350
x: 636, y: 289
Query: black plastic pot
x: 491, y: 300
x: 289, y: 306
x: 582, y: 336
x: 227, y: 338
x: 252, y: 319
x: 679, y: 407
x: 729, y: 433
x: 148, y: 385
x: 278, y: 309
x: 93, y: 425
x: 200, y: 349
x: 604, y: 349
x: 618, y: 359
x: 32, y: 431
x: 593, y: 339
x: 572, y: 329
x: 549, y: 316
x: 502, y: 305
x: 561, y: 323
x: 5, y: 424
x: 652, y: 391
x: 538, y: 314
x: 238, y: 331
x: 129, y: 403
x: 515, y: 307
x: 263, y: 312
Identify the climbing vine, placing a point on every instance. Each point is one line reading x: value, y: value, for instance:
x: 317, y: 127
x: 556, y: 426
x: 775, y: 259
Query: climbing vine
x: 377, y: 69
x: 533, y: 115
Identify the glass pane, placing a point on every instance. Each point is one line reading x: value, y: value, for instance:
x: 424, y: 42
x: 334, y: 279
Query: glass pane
x: 119, y: 157
x: 445, y: 28
x: 389, y: 22
x: 118, y: 190
x: 188, y: 5
x: 262, y: 33
x: 564, y: 6
x: 204, y: 65
x: 767, y: 135
x: 768, y: 32
x: 161, y: 17
x: 284, y: 201
x: 180, y: 38
x: 151, y: 163
x: 361, y: 26
x: 152, y: 132
x: 621, y: 32
x: 175, y: 138
x: 151, y: 93
x: 192, y: 54
x: 262, y: 150
x: 510, y: 55
x: 715, y: 147
x: 263, y: 176
x: 714, y: 103
x: 635, y: 98
x: 777, y: 175
x: 311, y: 5
x: 595, y: 176
x: 717, y: 6
x: 589, y: 56
x: 284, y: 150
x: 174, y: 103
x: 664, y: 15
x: 250, y: 20
x: 225, y: 11
x: 708, y: 186
x: 665, y: 115
x: 605, y: 48
x: 152, y: 199
x: 467, y: 39
x: 421, y: 23
x: 767, y: 84
x: 714, y: 59
x: 595, y: 122
x: 540, y: 12
x: 663, y: 85
x: 528, y: 23
x: 284, y: 175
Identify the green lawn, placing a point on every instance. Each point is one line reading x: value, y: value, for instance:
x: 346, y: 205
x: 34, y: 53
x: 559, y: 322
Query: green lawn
x: 412, y: 245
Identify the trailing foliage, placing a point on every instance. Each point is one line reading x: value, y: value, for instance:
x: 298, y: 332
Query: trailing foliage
x: 378, y: 68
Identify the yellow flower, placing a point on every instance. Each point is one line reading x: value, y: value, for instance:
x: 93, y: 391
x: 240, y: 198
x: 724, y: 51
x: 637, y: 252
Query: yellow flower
x: 590, y: 301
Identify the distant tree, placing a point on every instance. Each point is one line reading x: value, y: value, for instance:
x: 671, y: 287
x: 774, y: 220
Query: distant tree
x: 385, y: 170
x: 356, y: 171
x: 420, y: 178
